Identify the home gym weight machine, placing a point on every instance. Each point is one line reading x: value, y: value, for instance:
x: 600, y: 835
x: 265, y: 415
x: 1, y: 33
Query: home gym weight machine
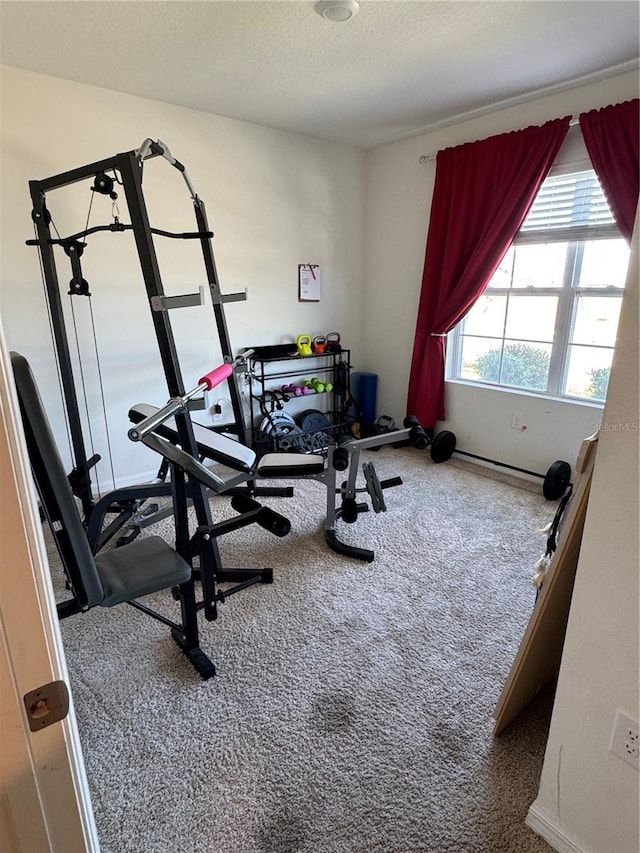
x: 124, y: 170
x: 190, y: 481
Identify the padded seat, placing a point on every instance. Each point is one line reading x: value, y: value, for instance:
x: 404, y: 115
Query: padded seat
x: 144, y: 566
x: 289, y: 465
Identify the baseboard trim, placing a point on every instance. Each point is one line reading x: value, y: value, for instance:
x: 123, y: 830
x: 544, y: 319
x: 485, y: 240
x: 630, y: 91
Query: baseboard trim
x: 541, y: 822
x: 141, y: 479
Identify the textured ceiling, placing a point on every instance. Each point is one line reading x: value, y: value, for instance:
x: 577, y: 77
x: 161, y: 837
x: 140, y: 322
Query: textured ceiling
x: 396, y: 69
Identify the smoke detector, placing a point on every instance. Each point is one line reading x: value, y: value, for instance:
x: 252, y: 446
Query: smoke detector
x: 337, y: 10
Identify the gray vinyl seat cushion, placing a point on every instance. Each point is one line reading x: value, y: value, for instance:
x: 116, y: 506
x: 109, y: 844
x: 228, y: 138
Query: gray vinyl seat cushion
x: 140, y: 568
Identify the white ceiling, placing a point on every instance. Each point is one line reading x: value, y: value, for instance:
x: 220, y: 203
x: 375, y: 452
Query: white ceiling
x: 398, y: 68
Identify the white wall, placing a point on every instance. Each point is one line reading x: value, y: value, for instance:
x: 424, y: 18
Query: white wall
x: 274, y: 200
x: 588, y: 796
x: 399, y: 191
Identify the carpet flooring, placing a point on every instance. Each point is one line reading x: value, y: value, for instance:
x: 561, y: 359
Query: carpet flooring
x: 352, y: 707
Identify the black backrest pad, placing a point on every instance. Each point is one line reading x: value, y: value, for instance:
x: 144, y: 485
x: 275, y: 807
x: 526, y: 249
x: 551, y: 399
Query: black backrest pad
x: 211, y: 445
x: 54, y: 490
x: 191, y: 466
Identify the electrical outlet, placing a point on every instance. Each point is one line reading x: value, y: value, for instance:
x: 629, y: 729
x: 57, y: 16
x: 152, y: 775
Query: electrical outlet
x: 625, y: 740
x: 517, y: 421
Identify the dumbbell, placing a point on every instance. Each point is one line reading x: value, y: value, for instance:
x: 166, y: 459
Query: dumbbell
x: 320, y: 387
x: 296, y: 390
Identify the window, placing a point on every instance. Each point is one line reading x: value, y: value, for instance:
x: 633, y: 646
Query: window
x: 548, y: 319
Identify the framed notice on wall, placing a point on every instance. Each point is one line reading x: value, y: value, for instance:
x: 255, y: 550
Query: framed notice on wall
x: 308, y: 283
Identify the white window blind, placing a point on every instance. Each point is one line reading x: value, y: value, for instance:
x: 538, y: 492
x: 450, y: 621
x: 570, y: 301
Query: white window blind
x: 567, y: 208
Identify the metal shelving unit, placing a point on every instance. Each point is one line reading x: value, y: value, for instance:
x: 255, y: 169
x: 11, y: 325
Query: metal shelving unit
x: 290, y: 424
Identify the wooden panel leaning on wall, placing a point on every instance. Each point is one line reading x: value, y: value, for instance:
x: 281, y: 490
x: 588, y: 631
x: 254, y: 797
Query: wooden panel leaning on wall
x: 537, y: 660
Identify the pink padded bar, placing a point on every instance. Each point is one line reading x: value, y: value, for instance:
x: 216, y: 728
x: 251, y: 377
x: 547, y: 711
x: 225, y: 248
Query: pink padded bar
x: 217, y: 375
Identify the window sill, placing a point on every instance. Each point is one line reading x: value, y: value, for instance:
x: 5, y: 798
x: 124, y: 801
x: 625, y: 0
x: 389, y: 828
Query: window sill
x: 520, y: 392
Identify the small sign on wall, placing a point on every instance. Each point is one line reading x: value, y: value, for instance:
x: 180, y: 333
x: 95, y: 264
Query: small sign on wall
x: 308, y: 283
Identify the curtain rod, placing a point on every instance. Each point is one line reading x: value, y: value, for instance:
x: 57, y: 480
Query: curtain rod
x: 429, y: 158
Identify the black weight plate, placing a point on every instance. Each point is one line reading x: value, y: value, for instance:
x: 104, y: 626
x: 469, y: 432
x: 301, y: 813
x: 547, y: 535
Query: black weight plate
x: 556, y: 480
x: 313, y: 420
x: 443, y: 445
x: 302, y: 415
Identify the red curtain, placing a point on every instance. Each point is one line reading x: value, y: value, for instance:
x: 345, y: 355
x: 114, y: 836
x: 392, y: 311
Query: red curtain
x: 612, y: 137
x: 482, y: 194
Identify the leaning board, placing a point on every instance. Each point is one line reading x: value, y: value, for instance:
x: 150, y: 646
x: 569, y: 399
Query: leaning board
x: 537, y: 661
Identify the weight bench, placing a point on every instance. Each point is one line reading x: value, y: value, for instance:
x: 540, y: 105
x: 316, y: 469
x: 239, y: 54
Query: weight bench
x: 147, y: 565
x: 241, y: 467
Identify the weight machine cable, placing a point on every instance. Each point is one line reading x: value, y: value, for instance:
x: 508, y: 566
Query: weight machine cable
x: 114, y: 209
x: 84, y: 389
x: 89, y: 212
x: 101, y: 386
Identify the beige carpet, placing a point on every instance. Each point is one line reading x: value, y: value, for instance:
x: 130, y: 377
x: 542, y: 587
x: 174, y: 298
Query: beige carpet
x: 351, y: 710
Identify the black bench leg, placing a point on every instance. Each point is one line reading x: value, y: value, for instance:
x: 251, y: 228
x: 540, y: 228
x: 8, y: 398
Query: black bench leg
x: 187, y: 637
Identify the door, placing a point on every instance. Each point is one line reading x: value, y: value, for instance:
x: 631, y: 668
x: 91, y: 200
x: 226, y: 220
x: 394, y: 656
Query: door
x: 45, y: 804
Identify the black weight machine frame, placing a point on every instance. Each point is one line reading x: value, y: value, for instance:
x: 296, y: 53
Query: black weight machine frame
x: 125, y: 502
x: 129, y: 166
